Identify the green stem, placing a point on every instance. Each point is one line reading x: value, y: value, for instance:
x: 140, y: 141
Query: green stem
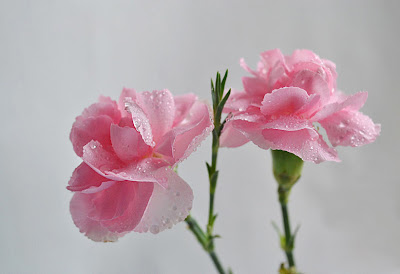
x: 287, y: 169
x: 288, y: 235
x: 206, y: 238
x: 216, y: 262
x: 197, y: 231
x: 204, y: 241
x: 212, y: 176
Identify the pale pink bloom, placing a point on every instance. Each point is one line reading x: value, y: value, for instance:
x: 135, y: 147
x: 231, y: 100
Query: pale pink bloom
x: 126, y: 181
x: 286, y: 101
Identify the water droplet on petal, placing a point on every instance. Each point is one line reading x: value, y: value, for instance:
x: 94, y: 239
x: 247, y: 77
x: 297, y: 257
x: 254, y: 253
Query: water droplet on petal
x: 154, y: 229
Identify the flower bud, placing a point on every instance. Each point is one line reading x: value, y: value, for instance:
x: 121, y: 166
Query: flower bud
x: 287, y: 169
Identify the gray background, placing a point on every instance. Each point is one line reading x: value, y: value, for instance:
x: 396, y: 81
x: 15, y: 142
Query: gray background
x: 57, y: 57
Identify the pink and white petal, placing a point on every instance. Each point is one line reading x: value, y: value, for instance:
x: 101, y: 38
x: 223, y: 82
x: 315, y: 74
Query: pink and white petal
x: 252, y: 131
x: 111, y: 167
x: 302, y: 143
x: 181, y: 141
x: 276, y: 77
x: 350, y: 128
x: 313, y: 83
x: 85, y: 177
x: 159, y: 107
x: 332, y: 67
x: 246, y: 67
x: 101, y: 160
x: 140, y: 121
x: 183, y: 104
x: 79, y: 207
x: 312, y: 106
x: 121, y: 207
x: 351, y: 103
x: 240, y: 101
x: 302, y: 56
x: 356, y: 101
x: 105, y: 106
x: 167, y: 206
x: 128, y: 143
x: 153, y: 170
x: 126, y: 93
x: 87, y: 129
x: 270, y: 59
x: 290, y: 123
x: 232, y: 137
x: 255, y: 86
x: 284, y: 101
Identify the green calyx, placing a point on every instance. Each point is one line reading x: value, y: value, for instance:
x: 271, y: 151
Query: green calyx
x: 287, y: 169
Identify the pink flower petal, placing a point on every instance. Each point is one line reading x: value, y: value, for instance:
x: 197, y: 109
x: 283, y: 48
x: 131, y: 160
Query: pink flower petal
x: 251, y: 129
x: 240, y: 101
x: 352, y: 103
x: 108, y: 214
x: 284, y: 101
x: 140, y: 121
x: 183, y: 104
x: 167, y: 206
x: 255, y: 86
x: 302, y: 56
x: 85, y: 177
x: 101, y: 160
x: 121, y: 207
x: 87, y: 129
x: 302, y: 143
x: 105, y: 106
x: 128, y: 143
x: 182, y: 140
x: 159, y: 107
x: 232, y: 137
x: 111, y: 167
x: 332, y: 68
x: 350, y: 128
x: 271, y: 59
x: 313, y: 83
x: 246, y: 67
x: 126, y: 93
x: 80, y: 206
x: 153, y: 170
x: 289, y: 123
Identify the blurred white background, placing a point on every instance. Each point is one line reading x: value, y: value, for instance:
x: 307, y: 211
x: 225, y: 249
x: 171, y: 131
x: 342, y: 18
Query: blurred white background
x: 57, y: 57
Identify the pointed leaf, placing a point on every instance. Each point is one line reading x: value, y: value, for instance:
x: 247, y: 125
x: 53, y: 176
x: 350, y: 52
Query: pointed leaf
x: 223, y: 82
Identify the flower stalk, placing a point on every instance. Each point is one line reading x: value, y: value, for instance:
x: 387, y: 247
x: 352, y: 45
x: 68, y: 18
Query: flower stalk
x: 206, y: 238
x: 287, y: 169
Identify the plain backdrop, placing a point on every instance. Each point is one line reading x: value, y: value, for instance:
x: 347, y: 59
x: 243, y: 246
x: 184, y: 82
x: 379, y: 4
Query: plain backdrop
x: 57, y: 57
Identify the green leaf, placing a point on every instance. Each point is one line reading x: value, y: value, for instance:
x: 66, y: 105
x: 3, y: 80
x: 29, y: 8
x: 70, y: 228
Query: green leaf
x: 218, y: 87
x: 208, y: 168
x: 294, y: 235
x: 275, y: 226
x: 214, y: 96
x: 223, y: 83
x: 222, y: 103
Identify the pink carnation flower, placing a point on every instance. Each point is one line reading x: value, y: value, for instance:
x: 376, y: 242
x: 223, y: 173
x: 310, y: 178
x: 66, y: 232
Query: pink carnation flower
x: 125, y: 181
x: 286, y: 100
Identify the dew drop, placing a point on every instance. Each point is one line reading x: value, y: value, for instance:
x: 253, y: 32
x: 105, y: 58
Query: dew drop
x: 154, y: 229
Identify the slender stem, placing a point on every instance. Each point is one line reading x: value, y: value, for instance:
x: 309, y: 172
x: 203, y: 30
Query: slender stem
x: 211, y: 174
x: 206, y: 238
x: 203, y: 240
x: 288, y: 234
x: 197, y: 231
x: 287, y: 169
x: 216, y: 262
